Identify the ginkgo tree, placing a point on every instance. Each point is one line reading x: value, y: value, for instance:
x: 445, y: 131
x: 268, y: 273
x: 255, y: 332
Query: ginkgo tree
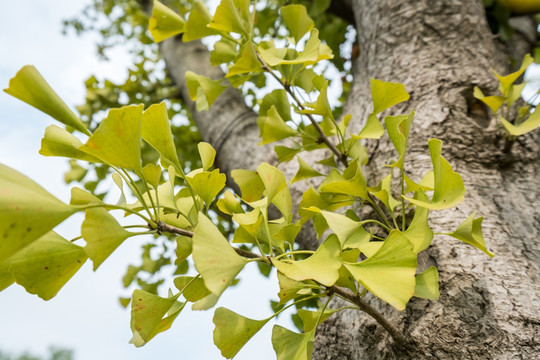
x: 371, y: 231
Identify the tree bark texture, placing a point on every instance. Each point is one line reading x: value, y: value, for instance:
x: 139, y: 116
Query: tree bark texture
x: 439, y: 49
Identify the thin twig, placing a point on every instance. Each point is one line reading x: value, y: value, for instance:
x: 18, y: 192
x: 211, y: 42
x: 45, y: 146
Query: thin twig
x: 362, y: 305
x: 368, y: 309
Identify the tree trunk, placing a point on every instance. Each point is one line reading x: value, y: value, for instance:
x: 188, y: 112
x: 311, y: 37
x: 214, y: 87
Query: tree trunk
x: 439, y: 50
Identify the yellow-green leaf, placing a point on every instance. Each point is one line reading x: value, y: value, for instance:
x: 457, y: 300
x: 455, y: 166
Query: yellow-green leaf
x: 296, y: 20
x: 507, y: 81
x: 372, y: 130
x: 45, y: 266
x: 470, y: 232
x: 273, y: 127
x: 323, y: 266
x: 152, y: 174
x: 449, y: 188
x: 59, y: 142
x: 27, y: 211
x: 196, y: 26
x: 102, y: 233
x: 6, y: 278
x: 493, y: 102
x: 274, y: 181
x: 288, y: 288
x: 310, y: 318
x: 532, y: 123
x: 196, y: 289
x: 203, y: 90
x: 231, y: 16
x: 289, y: 345
x: 233, y: 331
x: 117, y: 140
x: 427, y: 284
x: 207, y: 184
x: 398, y: 130
x: 29, y: 86
x: 304, y: 171
x: 164, y: 22
x: 247, y: 62
x: 148, y: 315
x: 386, y: 94
x: 250, y: 184
x: 207, y: 153
x: 313, y: 52
x: 389, y: 273
x: 214, y: 258
x: 419, y: 232
x: 156, y: 131
x: 229, y: 204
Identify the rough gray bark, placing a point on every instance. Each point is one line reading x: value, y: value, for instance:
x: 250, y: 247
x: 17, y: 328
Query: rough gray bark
x: 439, y: 50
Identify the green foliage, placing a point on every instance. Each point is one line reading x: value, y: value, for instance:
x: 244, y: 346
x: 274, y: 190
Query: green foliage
x: 507, y: 104
x: 376, y: 254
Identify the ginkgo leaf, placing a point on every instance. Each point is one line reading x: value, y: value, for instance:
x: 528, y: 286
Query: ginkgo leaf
x: 117, y: 140
x: 310, y: 318
x: 229, y: 204
x: 233, y: 331
x: 207, y: 153
x: 274, y: 181
x: 386, y: 94
x: 449, y: 188
x: 289, y: 345
x: 304, y: 171
x: 323, y: 266
x: 322, y: 105
x: 288, y: 288
x: 184, y: 248
x: 27, y: 211
x: 6, y: 277
x: 398, y: 131
x: 60, y: 142
x: 164, y: 22
x: 348, y: 231
x: 419, y: 232
x: 156, y: 131
x: 29, y: 86
x: 470, y: 232
x: 102, y: 233
x: 286, y: 154
x: 193, y: 289
x: 224, y: 51
x: 276, y: 99
x: 383, y: 192
x: 152, y: 174
x: 507, y: 80
x: 230, y: 16
x: 313, y: 52
x: 273, y: 127
x: 372, y: 130
x: 247, y: 62
x: 493, y: 102
x: 353, y: 186
x: 296, y: 20
x: 214, y: 258
x: 427, y: 284
x: 196, y: 26
x: 530, y: 124
x: 203, y: 90
x: 148, y: 315
x: 207, y: 184
x: 80, y: 197
x: 389, y: 273
x: 250, y: 184
x: 44, y: 266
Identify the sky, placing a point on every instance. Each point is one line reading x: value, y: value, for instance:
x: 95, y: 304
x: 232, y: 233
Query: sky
x: 85, y: 316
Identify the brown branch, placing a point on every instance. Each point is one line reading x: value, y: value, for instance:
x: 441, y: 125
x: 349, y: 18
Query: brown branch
x: 362, y: 305
x: 368, y: 309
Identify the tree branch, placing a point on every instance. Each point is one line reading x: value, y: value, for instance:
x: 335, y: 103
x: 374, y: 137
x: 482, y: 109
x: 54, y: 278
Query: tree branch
x: 362, y: 305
